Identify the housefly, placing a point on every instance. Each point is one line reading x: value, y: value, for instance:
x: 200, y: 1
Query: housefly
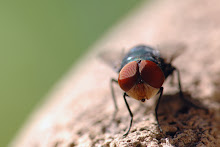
x: 141, y: 76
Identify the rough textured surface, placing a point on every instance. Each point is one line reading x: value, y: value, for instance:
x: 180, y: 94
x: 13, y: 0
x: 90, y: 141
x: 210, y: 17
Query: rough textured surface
x: 79, y: 110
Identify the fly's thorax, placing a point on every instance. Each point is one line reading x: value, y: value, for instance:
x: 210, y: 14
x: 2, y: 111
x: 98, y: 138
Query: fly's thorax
x: 142, y: 91
x: 141, y: 52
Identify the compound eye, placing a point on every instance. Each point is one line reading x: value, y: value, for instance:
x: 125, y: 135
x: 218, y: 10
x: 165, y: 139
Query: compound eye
x: 151, y: 73
x: 128, y: 76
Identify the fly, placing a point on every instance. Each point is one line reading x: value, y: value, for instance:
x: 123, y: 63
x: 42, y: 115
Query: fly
x: 141, y: 76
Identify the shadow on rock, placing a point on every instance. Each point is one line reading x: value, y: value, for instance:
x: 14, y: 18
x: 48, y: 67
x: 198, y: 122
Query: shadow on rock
x: 185, y: 121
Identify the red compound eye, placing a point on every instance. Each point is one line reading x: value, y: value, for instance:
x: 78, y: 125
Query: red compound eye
x: 151, y: 73
x: 128, y: 76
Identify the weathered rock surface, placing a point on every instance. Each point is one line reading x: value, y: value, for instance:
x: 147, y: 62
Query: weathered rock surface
x: 79, y: 110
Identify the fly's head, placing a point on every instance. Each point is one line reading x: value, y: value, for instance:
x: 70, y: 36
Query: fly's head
x: 141, y: 79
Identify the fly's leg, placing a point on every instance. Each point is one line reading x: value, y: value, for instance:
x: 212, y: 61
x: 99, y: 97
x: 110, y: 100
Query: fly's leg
x: 188, y: 101
x: 113, y: 97
x: 157, y: 106
x: 172, y: 79
x: 131, y: 115
x: 179, y: 84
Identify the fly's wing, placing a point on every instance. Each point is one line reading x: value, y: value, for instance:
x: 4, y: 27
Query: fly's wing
x: 170, y: 51
x: 113, y: 58
x: 167, y: 51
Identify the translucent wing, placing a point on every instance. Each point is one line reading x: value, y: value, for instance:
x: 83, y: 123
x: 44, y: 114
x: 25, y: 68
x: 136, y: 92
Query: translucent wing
x: 113, y: 58
x: 170, y: 51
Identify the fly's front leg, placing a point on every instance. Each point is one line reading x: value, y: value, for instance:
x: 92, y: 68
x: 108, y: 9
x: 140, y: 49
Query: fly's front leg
x: 131, y: 115
x: 113, y: 97
x: 157, y: 106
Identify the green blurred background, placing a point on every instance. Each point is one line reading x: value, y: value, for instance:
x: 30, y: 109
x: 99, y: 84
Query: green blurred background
x: 39, y: 41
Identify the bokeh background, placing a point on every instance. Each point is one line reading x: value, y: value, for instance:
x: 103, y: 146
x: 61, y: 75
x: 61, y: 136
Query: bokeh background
x: 39, y: 41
